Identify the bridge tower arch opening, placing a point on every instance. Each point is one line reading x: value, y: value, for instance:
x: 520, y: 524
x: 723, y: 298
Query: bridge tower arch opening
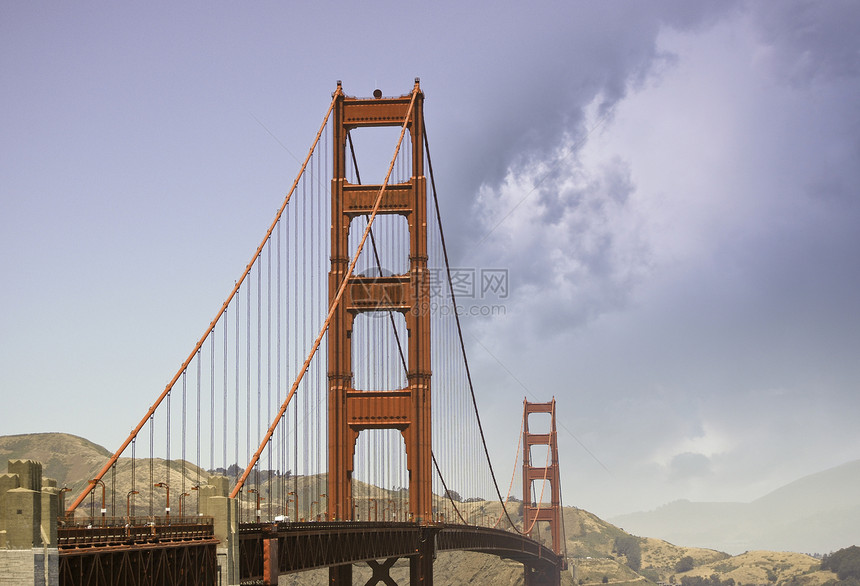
x: 380, y: 480
x: 379, y: 359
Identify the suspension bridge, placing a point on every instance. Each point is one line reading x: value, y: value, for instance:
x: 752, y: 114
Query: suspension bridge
x: 301, y: 431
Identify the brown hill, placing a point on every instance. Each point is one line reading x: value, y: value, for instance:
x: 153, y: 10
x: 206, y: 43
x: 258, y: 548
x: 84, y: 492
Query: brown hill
x: 660, y: 557
x: 763, y: 567
x: 591, y: 550
x: 66, y: 458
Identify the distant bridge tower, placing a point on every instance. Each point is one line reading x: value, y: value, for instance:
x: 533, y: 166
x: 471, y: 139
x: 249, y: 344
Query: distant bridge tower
x: 533, y: 511
x: 407, y: 409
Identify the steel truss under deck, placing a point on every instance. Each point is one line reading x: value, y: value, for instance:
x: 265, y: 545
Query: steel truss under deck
x: 306, y: 546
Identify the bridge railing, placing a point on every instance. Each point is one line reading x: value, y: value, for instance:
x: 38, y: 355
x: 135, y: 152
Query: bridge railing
x: 117, y: 530
x: 266, y: 528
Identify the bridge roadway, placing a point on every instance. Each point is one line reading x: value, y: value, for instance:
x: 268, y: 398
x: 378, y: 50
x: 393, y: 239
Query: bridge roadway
x: 181, y: 551
x: 310, y: 545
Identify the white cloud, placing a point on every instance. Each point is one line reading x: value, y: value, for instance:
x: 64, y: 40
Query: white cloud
x: 709, y: 442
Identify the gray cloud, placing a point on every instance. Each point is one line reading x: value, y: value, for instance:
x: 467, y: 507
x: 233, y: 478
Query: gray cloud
x: 573, y: 250
x: 808, y: 41
x: 587, y: 54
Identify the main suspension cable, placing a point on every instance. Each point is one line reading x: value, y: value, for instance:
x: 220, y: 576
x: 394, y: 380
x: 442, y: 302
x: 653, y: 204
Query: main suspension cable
x: 460, y: 330
x: 516, y: 461
x: 448, y: 493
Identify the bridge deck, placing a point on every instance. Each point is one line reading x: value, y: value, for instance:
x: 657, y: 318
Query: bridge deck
x: 178, y: 551
x: 306, y: 546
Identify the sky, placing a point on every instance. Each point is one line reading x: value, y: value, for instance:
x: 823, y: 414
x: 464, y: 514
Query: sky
x: 672, y: 187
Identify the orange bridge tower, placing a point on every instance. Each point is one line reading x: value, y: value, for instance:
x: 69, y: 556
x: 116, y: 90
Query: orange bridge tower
x: 535, y: 512
x: 407, y: 410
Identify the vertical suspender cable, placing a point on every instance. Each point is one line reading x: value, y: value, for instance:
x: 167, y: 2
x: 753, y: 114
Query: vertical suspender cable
x: 303, y: 282
x: 183, y: 429
x: 167, y: 480
x: 269, y: 467
x: 247, y: 373
x: 133, y: 462
x: 236, y: 413
x: 224, y: 424
x: 211, y: 404
x: 298, y: 334
x: 151, y: 457
x: 284, y: 455
x: 311, y: 384
x: 259, y: 363
x: 325, y: 268
x: 279, y: 454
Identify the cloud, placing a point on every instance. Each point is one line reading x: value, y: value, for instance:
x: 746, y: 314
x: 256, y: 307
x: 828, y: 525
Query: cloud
x: 689, y: 465
x: 571, y: 242
x: 807, y: 41
x: 535, y: 96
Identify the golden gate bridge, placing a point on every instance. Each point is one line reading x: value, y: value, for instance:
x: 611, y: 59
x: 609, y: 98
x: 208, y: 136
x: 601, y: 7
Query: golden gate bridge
x: 306, y: 404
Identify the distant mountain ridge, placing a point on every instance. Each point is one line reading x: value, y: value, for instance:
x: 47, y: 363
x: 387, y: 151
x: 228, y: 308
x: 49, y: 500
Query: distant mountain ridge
x: 818, y: 513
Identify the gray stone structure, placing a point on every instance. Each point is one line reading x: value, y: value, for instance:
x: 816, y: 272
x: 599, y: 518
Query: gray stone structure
x: 28, y: 526
x: 215, y: 503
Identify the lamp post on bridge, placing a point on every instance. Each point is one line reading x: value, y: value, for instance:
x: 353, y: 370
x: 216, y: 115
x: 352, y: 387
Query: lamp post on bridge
x: 62, y: 498
x: 256, y: 493
x: 104, y: 510
x: 324, y: 496
x: 295, y: 505
x: 181, y: 498
x: 128, y: 505
x: 197, y: 487
x: 167, y: 502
